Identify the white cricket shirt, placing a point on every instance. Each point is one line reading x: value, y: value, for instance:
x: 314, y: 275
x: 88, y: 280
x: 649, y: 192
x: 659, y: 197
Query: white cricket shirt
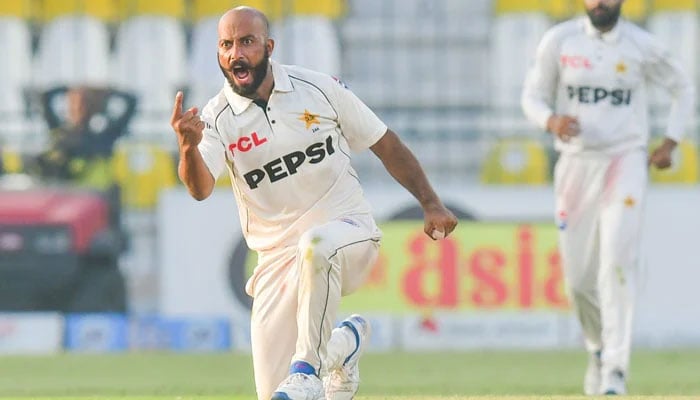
x: 290, y: 162
x: 602, y: 79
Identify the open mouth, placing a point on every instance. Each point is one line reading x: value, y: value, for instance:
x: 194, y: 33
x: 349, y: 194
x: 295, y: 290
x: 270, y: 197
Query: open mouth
x: 241, y: 73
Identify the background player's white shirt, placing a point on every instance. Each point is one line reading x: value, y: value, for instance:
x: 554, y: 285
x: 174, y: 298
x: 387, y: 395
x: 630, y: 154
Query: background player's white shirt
x: 290, y: 163
x: 602, y: 79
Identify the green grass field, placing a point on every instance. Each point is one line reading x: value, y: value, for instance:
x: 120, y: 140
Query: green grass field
x: 486, y: 375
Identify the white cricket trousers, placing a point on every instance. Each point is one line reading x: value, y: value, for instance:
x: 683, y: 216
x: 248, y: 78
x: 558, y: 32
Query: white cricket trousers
x: 599, y: 207
x: 296, y: 293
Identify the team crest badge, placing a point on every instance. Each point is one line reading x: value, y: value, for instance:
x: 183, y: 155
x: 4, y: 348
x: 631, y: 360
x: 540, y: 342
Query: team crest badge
x: 309, y: 119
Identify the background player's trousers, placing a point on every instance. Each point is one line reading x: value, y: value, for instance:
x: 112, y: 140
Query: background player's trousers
x: 599, y: 207
x: 297, y: 293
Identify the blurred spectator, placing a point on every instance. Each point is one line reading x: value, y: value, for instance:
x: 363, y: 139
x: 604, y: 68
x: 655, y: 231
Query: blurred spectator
x: 82, y: 142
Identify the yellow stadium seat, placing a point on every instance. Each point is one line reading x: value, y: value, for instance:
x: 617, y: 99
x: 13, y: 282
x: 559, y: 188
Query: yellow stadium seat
x: 684, y: 169
x: 560, y: 9
x: 328, y: 8
x: 635, y: 10
x: 18, y: 8
x: 200, y: 9
x: 511, y: 6
x: 142, y: 171
x: 274, y: 9
x: 516, y: 161
x: 674, y: 5
x: 103, y: 9
x: 578, y: 7
x: 171, y: 8
x: 12, y: 162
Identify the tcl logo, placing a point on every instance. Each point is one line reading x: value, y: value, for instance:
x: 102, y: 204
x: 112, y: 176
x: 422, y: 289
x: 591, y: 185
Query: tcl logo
x: 245, y: 143
x: 575, y: 62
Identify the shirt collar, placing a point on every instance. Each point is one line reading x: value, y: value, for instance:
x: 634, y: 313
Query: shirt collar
x: 239, y: 103
x: 610, y: 36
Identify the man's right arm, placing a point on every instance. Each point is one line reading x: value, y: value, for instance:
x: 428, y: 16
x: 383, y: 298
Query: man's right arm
x: 192, y: 169
x: 541, y: 82
x: 540, y: 88
x: 193, y: 172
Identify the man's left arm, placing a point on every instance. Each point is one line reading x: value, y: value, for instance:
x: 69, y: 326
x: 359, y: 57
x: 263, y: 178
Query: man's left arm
x: 400, y: 162
x: 666, y: 71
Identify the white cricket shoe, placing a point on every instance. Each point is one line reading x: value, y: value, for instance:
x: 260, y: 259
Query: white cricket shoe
x: 591, y: 381
x: 614, y: 383
x: 299, y: 386
x: 342, y: 383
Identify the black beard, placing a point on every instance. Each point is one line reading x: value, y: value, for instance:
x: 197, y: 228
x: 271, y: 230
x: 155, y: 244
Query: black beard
x: 259, y: 72
x: 607, y: 19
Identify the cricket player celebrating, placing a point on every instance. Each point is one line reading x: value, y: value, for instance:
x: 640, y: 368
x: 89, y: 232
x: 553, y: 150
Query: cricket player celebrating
x: 285, y: 135
x: 588, y: 87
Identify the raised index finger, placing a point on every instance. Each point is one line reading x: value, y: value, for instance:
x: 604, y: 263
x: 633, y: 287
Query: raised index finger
x: 177, y: 109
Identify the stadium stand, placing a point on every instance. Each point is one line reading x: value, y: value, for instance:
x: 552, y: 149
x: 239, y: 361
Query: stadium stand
x: 634, y: 10
x: 390, y: 58
x: 151, y: 59
x: 306, y: 35
x: 559, y: 10
x: 518, y: 26
x: 200, y: 9
x: 203, y: 74
x: 676, y: 25
x: 516, y: 161
x: 142, y: 171
x: 15, y: 76
x: 74, y: 43
x: 309, y: 40
x: 513, y: 158
x: 12, y: 162
x: 446, y: 74
x: 429, y: 94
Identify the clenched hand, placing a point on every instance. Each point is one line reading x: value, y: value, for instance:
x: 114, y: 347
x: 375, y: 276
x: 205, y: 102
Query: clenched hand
x: 661, y: 156
x: 564, y: 126
x: 439, y: 221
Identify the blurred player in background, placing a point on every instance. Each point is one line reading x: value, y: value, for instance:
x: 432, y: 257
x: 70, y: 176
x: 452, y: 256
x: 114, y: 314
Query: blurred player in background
x: 285, y: 135
x: 588, y: 87
x: 82, y: 141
